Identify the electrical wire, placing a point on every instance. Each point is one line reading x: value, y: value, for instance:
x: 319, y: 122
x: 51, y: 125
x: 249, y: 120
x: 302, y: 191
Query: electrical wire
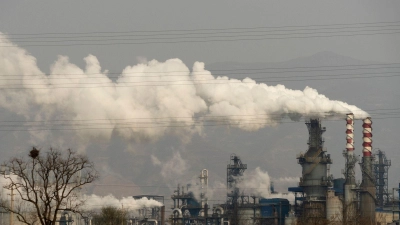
x: 157, y: 37
x: 190, y: 75
x: 216, y: 81
x: 232, y: 31
x: 384, y: 66
x: 169, y: 126
x: 159, y: 83
x: 196, y: 41
x: 380, y: 111
x: 213, y: 29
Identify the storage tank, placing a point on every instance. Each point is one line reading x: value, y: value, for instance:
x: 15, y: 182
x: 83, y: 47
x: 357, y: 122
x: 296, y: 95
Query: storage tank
x: 333, y: 208
x: 275, y: 207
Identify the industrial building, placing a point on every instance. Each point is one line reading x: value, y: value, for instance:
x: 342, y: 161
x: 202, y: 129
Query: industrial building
x: 149, y: 215
x: 319, y: 197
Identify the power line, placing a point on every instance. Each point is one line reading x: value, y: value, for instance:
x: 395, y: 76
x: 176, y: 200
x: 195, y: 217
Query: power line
x: 168, y: 73
x: 169, y: 126
x: 223, y: 31
x: 192, y: 41
x: 213, y: 29
x: 219, y: 82
x: 384, y: 65
x: 206, y: 116
x: 245, y: 34
x: 200, y: 81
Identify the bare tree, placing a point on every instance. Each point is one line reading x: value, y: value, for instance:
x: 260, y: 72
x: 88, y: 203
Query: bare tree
x: 110, y: 215
x: 46, y: 184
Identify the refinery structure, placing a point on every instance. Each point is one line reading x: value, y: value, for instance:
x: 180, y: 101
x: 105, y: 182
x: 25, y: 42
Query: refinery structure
x: 320, y: 198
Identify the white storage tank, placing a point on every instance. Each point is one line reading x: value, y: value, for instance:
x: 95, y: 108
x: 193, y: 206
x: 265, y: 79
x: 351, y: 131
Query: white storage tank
x: 333, y: 207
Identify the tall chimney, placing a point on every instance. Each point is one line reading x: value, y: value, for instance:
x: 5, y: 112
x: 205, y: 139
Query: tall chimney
x: 367, y: 137
x: 367, y: 187
x: 350, y: 196
x: 163, y: 215
x: 350, y: 133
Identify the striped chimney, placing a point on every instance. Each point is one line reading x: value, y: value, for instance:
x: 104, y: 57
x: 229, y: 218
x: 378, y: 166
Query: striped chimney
x: 350, y: 133
x: 367, y: 136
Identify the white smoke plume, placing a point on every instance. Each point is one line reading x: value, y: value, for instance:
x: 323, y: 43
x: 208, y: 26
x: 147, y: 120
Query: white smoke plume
x: 145, y: 101
x: 172, y: 168
x: 282, y: 183
x: 155, y: 160
x: 258, y: 182
x: 94, y: 202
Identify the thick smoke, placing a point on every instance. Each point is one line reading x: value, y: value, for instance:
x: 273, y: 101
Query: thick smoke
x: 146, y: 101
x: 258, y: 183
x: 94, y: 202
x: 174, y: 167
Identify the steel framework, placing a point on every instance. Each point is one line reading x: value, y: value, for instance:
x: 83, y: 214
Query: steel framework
x: 381, y: 168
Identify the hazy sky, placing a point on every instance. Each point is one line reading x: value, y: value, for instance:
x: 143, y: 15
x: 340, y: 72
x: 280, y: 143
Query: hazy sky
x: 93, y: 16
x: 20, y: 18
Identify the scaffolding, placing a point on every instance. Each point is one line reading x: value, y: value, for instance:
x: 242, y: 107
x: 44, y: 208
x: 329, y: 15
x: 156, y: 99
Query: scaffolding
x: 235, y: 170
x: 381, y: 168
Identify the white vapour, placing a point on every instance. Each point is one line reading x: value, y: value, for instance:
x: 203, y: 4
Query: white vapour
x: 94, y: 202
x: 146, y: 101
x: 282, y: 183
x: 172, y: 168
x: 155, y: 160
x: 258, y: 182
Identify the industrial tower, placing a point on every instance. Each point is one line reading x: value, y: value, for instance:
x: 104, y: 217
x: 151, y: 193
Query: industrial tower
x: 314, y: 180
x: 367, y: 187
x: 381, y: 168
x: 350, y: 194
x: 234, y: 172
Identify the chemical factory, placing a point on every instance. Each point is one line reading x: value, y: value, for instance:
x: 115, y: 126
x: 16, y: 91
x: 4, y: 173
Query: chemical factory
x: 319, y: 197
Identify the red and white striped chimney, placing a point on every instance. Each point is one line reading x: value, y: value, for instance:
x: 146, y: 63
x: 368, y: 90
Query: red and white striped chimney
x: 350, y: 133
x: 367, y: 136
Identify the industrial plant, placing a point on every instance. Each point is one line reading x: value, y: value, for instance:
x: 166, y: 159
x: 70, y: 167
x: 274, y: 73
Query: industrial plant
x: 320, y: 198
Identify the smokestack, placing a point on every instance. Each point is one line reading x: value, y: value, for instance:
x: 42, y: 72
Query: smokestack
x: 367, y: 187
x: 350, y: 183
x: 163, y: 215
x: 206, y: 211
x: 367, y: 137
x: 350, y: 133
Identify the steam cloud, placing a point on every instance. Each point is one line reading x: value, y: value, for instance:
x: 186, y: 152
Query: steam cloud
x: 94, y: 202
x: 258, y: 182
x: 174, y: 167
x: 145, y: 101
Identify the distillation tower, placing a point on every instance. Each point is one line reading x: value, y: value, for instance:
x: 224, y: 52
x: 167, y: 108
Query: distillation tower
x: 234, y: 172
x: 381, y: 169
x: 204, y: 186
x: 367, y: 187
x: 315, y: 180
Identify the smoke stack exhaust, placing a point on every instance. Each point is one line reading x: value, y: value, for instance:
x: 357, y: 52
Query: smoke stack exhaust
x: 350, y: 133
x: 367, y: 136
x: 350, y: 184
x: 367, y: 187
